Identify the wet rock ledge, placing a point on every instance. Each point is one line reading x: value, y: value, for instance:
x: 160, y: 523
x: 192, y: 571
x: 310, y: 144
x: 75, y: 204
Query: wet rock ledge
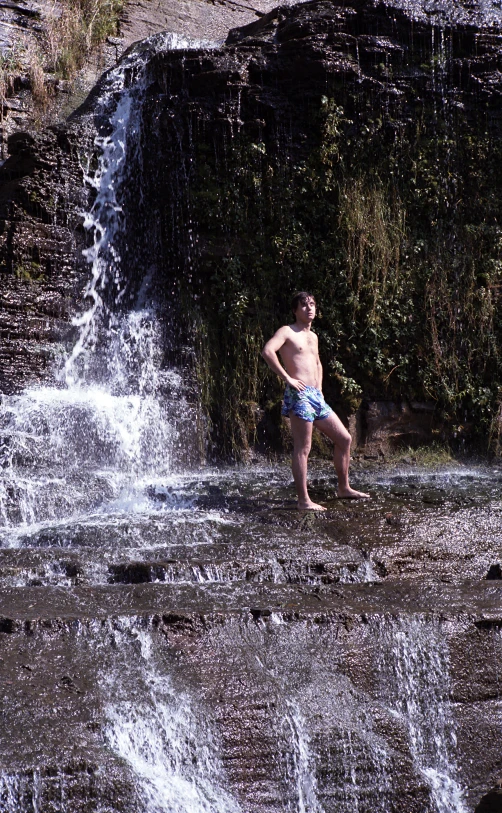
x: 71, y: 660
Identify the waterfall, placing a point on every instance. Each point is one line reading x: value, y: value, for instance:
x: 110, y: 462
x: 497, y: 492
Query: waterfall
x: 319, y: 733
x: 113, y: 423
x: 166, y: 740
x: 255, y: 716
x: 19, y: 790
x: 224, y: 697
x: 416, y: 665
x: 120, y: 104
x: 303, y: 765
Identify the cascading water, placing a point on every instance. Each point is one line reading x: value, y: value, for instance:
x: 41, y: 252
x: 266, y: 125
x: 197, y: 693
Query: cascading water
x: 302, y: 761
x: 68, y: 451
x: 19, y: 790
x: 416, y: 666
x: 207, y: 707
x: 166, y: 742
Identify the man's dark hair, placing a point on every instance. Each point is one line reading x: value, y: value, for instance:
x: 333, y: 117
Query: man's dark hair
x: 300, y: 298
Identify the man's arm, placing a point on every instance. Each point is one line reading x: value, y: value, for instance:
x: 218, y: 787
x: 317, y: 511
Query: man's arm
x: 269, y: 353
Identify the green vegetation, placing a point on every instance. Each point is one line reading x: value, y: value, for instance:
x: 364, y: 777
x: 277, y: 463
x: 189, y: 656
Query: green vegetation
x: 437, y: 454
x: 389, y: 212
x: 399, y: 239
x: 29, y: 271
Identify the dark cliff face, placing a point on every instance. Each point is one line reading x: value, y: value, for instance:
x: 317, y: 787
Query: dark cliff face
x: 352, y: 151
x: 42, y: 269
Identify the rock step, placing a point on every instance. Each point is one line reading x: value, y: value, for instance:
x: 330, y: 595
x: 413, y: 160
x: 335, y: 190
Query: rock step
x: 347, y: 676
x: 479, y: 601
x: 38, y: 568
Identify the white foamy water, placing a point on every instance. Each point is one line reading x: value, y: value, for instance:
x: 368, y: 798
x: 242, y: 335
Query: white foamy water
x: 167, y: 742
x: 19, y: 791
x: 121, y: 100
x: 303, y: 761
x: 64, y: 452
x: 416, y: 666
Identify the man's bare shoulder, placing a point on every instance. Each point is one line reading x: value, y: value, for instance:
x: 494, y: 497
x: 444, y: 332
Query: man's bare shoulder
x: 285, y: 332
x: 294, y: 334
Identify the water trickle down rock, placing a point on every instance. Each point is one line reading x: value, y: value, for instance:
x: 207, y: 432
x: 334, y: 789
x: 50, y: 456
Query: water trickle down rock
x: 416, y: 664
x: 107, y: 413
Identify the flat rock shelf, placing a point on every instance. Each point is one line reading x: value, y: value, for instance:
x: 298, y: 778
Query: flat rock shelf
x: 219, y: 651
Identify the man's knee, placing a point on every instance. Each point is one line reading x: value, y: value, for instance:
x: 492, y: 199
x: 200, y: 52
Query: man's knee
x: 302, y: 449
x: 345, y: 441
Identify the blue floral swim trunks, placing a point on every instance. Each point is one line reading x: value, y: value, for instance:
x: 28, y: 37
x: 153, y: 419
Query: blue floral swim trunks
x: 308, y: 404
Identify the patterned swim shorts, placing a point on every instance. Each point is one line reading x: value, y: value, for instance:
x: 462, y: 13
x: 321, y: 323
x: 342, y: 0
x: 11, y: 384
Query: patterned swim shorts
x: 309, y: 404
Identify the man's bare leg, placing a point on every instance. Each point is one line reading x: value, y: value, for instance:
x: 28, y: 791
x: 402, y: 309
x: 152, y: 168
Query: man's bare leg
x: 334, y: 429
x: 302, y: 441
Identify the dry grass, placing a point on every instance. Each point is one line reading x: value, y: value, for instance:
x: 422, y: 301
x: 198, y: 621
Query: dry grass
x: 37, y: 81
x: 9, y: 66
x: 73, y: 29
x: 70, y: 33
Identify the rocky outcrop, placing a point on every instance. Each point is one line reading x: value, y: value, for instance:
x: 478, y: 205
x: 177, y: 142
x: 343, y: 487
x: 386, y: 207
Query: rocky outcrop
x: 42, y: 271
x: 327, y: 114
x: 263, y: 667
x: 381, y: 427
x: 213, y: 640
x: 33, y: 94
x: 491, y: 803
x: 306, y: 154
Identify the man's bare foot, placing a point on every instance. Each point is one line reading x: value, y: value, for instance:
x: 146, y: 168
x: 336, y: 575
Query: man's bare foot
x: 310, y: 506
x: 351, y: 494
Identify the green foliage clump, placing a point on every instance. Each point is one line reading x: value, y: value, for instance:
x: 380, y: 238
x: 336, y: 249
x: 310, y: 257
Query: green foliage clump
x: 29, y: 271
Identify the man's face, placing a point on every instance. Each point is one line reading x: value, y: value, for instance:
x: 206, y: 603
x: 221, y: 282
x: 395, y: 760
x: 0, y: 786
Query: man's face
x: 305, y: 311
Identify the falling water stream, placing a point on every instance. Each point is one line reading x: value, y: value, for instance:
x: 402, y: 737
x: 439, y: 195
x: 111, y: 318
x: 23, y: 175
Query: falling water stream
x: 167, y: 743
x: 416, y: 667
x: 109, y: 429
x: 94, y: 466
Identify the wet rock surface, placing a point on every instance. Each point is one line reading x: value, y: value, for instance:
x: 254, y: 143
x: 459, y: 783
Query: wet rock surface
x: 23, y: 32
x: 491, y: 803
x: 286, y: 631
x: 239, y: 666
x: 250, y: 531
x: 42, y: 271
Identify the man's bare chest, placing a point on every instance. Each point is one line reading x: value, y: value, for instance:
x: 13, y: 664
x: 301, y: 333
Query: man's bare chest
x: 303, y: 347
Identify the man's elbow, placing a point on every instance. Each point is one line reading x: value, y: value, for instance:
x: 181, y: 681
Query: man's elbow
x: 265, y: 353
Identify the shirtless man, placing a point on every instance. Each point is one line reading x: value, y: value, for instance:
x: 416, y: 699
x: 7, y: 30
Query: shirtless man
x: 304, y: 401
